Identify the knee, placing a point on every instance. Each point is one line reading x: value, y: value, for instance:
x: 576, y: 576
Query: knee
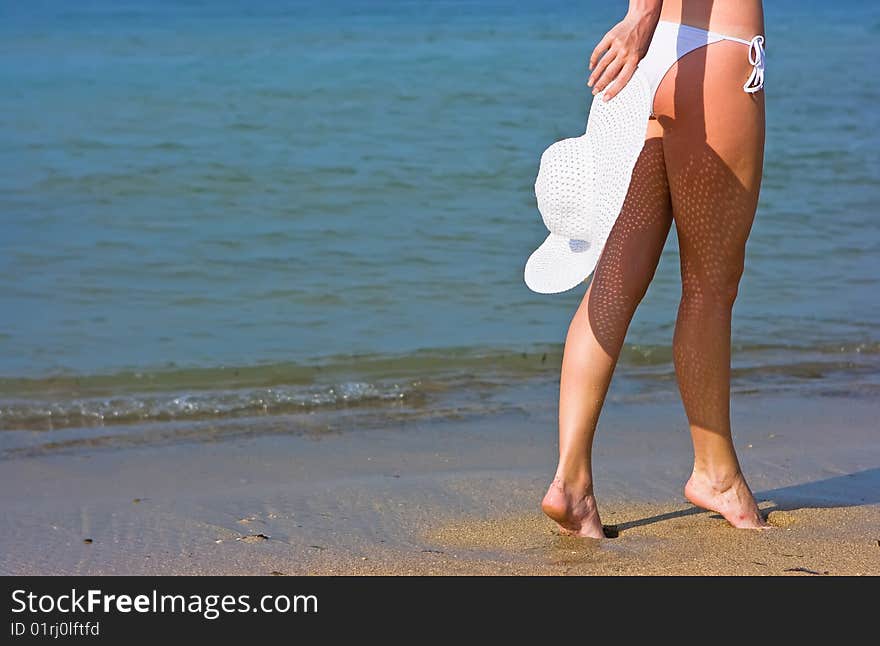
x: 712, y: 290
x: 625, y: 286
x: 614, y: 303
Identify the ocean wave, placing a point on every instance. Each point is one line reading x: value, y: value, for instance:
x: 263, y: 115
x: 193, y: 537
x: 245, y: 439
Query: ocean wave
x: 46, y: 414
x: 417, y: 379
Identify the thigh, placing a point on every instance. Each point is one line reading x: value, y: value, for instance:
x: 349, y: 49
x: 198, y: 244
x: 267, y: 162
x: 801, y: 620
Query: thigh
x: 632, y: 251
x: 634, y: 244
x: 714, y: 150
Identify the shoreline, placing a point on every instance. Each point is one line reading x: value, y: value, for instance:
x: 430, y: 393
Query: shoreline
x: 452, y: 497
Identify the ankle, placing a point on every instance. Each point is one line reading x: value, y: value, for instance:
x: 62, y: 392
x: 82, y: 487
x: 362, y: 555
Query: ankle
x: 577, y: 484
x: 717, y: 478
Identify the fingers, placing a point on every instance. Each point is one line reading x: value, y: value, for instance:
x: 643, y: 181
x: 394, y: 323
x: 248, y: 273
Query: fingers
x: 603, y: 45
x: 612, y: 62
x: 620, y: 81
x: 610, y: 72
x: 601, y: 66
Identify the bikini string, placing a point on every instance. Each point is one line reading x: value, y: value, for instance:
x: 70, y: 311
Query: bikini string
x: 756, y: 59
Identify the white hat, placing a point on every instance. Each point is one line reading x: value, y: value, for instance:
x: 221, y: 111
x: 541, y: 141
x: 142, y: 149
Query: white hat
x: 581, y: 185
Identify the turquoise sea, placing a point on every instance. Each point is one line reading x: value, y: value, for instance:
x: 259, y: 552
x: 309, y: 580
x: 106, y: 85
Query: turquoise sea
x: 320, y: 212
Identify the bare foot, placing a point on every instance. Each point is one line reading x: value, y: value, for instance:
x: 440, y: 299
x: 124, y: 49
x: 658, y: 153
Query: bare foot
x: 731, y: 498
x: 576, y: 514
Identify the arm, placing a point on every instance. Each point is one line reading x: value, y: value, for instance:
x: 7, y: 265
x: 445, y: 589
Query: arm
x: 620, y: 50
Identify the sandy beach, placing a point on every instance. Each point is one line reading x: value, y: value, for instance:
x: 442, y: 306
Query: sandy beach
x: 264, y: 310
x: 450, y: 497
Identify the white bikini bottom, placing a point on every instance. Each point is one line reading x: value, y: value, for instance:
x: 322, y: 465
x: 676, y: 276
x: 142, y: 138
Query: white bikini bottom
x: 673, y: 40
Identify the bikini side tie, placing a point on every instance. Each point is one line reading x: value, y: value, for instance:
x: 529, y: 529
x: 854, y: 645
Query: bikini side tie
x: 756, y: 59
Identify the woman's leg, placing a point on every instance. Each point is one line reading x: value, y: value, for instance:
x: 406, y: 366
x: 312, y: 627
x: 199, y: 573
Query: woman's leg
x: 713, y: 144
x: 597, y: 331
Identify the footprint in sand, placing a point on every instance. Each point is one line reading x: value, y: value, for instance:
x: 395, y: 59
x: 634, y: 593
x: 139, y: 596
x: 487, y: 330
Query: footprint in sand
x: 247, y: 520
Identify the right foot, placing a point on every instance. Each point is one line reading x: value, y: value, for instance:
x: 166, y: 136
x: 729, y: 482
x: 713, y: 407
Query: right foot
x: 731, y: 498
x: 576, y: 514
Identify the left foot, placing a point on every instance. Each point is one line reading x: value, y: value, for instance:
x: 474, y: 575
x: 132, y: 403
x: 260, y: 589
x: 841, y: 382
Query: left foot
x: 576, y: 514
x: 731, y: 498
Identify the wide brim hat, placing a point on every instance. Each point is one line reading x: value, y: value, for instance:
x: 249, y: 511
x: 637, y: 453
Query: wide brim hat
x: 581, y: 186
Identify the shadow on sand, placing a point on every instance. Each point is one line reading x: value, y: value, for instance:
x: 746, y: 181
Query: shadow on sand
x: 850, y: 490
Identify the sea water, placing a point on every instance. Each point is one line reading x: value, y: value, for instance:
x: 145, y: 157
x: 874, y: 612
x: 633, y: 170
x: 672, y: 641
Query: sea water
x: 226, y: 209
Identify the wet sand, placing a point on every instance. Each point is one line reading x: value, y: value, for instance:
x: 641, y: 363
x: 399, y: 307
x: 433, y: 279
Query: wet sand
x: 452, y: 497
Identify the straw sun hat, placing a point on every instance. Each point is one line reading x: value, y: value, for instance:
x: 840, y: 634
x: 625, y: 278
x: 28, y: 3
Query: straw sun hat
x: 581, y: 186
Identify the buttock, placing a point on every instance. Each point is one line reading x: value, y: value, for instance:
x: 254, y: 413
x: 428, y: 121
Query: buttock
x: 706, y: 85
x: 673, y: 42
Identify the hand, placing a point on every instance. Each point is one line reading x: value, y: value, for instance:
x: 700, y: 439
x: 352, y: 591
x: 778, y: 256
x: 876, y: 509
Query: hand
x: 619, y: 52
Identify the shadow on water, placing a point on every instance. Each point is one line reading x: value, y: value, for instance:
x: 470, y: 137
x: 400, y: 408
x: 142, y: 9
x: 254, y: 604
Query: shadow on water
x: 850, y: 490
